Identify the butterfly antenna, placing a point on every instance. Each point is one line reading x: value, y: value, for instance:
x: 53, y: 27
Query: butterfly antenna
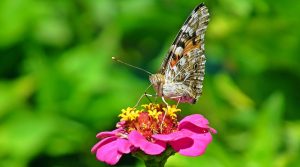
x: 122, y: 62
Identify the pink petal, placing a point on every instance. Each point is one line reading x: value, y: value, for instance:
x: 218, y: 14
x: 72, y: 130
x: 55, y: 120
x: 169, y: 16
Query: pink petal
x: 187, y: 142
x: 195, y: 119
x: 194, y: 145
x: 105, y: 134
x: 109, y: 153
x: 148, y: 147
x: 212, y: 130
x: 124, y: 146
x: 194, y: 128
x: 172, y: 136
x: 110, y: 149
x: 103, y: 142
x: 121, y: 124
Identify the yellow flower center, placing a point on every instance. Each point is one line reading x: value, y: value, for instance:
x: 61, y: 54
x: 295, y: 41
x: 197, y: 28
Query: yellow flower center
x: 150, y: 119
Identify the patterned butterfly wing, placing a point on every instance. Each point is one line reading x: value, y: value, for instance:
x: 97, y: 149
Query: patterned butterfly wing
x: 182, y: 72
x: 185, y: 63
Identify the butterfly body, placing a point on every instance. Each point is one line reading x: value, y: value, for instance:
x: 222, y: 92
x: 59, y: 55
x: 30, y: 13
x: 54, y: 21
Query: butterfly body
x: 182, y: 72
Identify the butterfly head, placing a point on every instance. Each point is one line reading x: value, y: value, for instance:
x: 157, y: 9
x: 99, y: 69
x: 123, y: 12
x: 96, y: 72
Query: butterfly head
x: 157, y: 80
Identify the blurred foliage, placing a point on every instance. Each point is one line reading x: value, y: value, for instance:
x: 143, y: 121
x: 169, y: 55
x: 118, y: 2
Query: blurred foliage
x: 59, y: 87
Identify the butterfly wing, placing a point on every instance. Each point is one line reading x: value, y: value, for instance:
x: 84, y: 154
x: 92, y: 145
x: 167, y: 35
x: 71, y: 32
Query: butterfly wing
x: 185, y: 62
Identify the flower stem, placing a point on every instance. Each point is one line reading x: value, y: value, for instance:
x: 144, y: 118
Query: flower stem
x: 155, y: 160
x: 154, y: 163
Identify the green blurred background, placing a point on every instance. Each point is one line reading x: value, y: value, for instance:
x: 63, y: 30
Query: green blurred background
x: 59, y: 86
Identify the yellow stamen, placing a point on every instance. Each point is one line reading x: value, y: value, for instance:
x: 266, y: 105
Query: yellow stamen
x: 129, y: 114
x: 171, y: 110
x: 154, y: 113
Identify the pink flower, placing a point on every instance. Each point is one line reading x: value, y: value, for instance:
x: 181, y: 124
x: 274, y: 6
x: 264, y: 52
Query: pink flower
x: 151, y: 130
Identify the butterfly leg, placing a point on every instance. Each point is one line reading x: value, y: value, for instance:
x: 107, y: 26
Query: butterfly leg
x: 163, y: 99
x: 163, y: 119
x: 178, y: 103
x: 161, y: 125
x: 147, y: 96
x: 155, y: 99
x: 144, y: 95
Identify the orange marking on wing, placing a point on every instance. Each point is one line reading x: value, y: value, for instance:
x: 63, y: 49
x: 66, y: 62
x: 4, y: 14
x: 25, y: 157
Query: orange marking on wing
x: 173, y: 62
x: 190, y: 46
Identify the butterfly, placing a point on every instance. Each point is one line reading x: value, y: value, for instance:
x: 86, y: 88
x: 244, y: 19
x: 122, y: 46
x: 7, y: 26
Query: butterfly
x: 181, y: 75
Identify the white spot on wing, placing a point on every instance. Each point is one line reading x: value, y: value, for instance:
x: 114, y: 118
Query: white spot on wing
x: 187, y: 28
x: 198, y: 31
x: 175, y: 69
x: 193, y: 60
x: 184, y: 27
x: 191, y: 32
x: 202, y: 36
x: 202, y: 46
x: 199, y: 86
x: 178, y: 50
x: 182, y: 61
x: 172, y: 47
x: 195, y: 15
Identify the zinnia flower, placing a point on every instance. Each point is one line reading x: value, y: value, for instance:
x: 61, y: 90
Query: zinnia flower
x: 153, y: 130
